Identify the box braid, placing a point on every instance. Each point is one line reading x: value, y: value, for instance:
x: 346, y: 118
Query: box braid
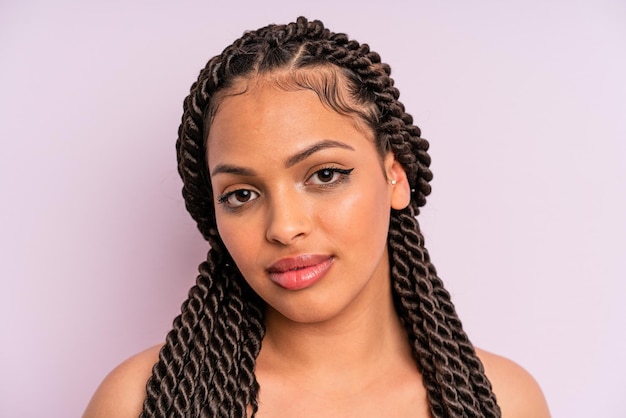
x: 206, y: 367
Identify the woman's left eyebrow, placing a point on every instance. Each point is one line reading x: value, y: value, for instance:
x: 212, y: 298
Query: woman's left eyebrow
x: 318, y: 146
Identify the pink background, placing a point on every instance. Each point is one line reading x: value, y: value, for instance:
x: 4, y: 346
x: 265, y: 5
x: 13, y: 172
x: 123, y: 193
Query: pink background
x: 525, y: 106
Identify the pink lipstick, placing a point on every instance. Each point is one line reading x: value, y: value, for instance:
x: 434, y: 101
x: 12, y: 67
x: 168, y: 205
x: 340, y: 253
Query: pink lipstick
x: 295, y: 273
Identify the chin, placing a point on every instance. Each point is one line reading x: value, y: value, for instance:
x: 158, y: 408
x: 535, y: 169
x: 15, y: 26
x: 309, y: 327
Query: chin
x: 306, y: 314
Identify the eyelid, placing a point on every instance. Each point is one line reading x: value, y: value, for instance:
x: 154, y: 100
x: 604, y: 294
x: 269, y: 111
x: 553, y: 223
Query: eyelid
x: 223, y: 199
x: 343, y: 176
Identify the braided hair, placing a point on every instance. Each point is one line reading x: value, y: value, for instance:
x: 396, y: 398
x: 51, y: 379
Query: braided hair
x: 206, y: 366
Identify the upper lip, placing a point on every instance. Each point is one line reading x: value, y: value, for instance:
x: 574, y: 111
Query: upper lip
x: 297, y: 262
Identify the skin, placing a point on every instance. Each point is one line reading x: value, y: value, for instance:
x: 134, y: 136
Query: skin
x: 293, y: 210
x: 319, y: 337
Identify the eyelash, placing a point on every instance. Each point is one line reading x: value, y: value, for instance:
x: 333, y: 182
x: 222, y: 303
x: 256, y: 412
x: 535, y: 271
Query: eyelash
x: 343, y: 177
x: 223, y: 199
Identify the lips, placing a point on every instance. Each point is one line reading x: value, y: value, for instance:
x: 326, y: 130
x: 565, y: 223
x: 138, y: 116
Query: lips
x: 294, y: 273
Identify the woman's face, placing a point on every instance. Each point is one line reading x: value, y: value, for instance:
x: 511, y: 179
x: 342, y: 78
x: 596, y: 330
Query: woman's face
x: 302, y: 202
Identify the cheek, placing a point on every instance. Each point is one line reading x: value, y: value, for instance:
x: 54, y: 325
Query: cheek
x: 235, y: 235
x: 360, y: 216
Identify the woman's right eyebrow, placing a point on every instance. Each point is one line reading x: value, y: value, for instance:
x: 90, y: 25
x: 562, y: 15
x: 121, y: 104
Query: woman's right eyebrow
x: 232, y: 169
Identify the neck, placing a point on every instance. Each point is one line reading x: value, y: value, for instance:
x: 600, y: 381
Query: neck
x: 364, y: 334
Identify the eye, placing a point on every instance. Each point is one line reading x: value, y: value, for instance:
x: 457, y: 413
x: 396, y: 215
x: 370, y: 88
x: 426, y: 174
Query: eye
x: 329, y: 175
x: 237, y: 198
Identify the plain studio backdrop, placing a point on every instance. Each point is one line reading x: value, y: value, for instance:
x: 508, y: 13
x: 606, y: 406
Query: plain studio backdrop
x: 524, y: 103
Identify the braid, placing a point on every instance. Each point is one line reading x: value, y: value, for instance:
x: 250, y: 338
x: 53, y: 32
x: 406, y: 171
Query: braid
x: 453, y: 375
x: 206, y: 367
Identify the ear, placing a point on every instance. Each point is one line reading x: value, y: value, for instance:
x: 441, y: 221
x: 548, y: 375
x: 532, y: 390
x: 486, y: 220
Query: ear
x: 399, y: 188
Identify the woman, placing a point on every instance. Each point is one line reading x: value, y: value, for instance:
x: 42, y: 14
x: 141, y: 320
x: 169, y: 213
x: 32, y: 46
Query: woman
x: 318, y: 298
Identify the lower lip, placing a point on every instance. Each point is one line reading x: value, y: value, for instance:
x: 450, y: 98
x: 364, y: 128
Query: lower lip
x: 301, y: 278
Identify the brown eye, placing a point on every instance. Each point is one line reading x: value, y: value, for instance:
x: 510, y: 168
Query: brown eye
x: 328, y: 176
x: 238, y: 198
x: 242, y: 195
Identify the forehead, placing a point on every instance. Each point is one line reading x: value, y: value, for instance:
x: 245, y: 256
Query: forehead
x: 336, y: 87
x: 267, y: 122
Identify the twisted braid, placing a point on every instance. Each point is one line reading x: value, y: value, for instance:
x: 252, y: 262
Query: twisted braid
x: 206, y: 367
x: 452, y: 373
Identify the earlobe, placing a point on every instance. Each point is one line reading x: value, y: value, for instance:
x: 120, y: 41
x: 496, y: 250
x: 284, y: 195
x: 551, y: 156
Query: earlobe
x: 400, y: 191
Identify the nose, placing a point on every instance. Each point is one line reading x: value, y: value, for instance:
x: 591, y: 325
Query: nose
x: 287, y: 221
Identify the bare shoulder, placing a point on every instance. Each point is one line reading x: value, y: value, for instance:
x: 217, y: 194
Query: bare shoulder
x: 517, y: 392
x: 122, y: 392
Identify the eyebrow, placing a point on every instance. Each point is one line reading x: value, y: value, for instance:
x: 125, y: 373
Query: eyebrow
x: 307, y: 152
x: 291, y: 161
x: 232, y: 169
